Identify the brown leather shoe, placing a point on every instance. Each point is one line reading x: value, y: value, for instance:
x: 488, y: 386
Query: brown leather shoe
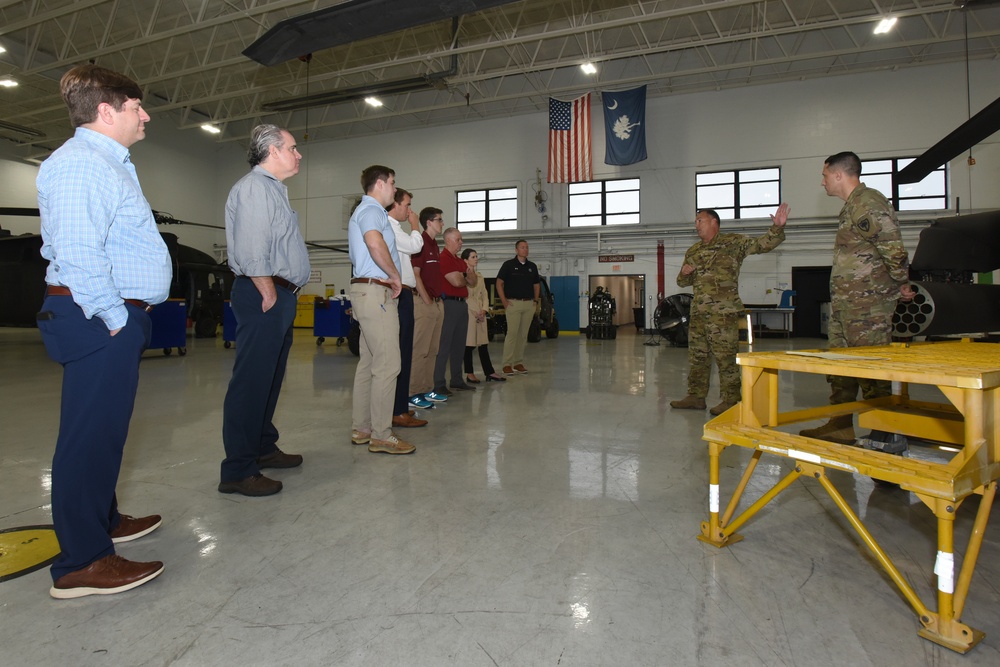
x: 255, y: 485
x: 689, y: 402
x: 360, y: 437
x: 130, y: 528
x: 507, y: 370
x: 109, y: 575
x: 391, y: 445
x: 406, y: 421
x: 519, y: 368
x: 721, y: 407
x: 279, y: 459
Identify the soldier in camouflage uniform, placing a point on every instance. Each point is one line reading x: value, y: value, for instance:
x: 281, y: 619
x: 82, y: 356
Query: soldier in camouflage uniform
x: 870, y: 271
x: 712, y: 266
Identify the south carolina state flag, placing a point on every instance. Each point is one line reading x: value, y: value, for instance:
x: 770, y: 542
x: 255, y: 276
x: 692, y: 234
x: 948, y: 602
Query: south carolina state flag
x: 625, y: 126
x: 570, y: 160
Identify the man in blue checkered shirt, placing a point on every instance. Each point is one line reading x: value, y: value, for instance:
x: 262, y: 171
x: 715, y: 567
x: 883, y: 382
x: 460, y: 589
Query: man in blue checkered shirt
x: 108, y: 266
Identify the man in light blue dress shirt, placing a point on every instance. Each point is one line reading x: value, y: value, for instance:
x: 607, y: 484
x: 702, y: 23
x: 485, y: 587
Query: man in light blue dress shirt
x: 108, y: 266
x: 269, y: 257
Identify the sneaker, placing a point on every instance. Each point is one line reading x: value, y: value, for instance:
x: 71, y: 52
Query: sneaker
x: 131, y: 528
x: 109, y: 575
x: 391, y: 445
x: 419, y: 402
x: 509, y: 370
x: 360, y: 437
x: 255, y: 485
x: 519, y: 368
x: 435, y: 397
x: 689, y: 402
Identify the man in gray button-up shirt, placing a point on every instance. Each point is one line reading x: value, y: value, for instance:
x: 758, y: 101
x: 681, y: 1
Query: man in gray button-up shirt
x: 269, y: 257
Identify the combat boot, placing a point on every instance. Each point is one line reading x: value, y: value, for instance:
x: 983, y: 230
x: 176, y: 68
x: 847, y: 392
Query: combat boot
x: 838, y: 429
x: 722, y: 407
x: 689, y: 402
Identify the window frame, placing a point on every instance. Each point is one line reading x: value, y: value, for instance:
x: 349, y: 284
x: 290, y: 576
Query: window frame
x: 893, y: 196
x: 735, y: 183
x: 487, y: 199
x: 604, y: 192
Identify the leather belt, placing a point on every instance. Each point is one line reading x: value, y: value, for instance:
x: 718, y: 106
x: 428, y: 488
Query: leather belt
x: 511, y: 298
x: 371, y: 281
x: 59, y: 290
x: 287, y: 284
x: 453, y: 298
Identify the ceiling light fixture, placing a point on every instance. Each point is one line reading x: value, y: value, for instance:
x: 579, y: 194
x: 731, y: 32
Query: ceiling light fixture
x: 211, y: 129
x: 588, y: 68
x: 373, y: 101
x: 885, y: 25
x: 8, y: 83
x: 2, y: 50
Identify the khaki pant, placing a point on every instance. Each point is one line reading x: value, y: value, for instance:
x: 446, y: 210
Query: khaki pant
x: 427, y: 321
x: 519, y: 316
x: 375, y: 379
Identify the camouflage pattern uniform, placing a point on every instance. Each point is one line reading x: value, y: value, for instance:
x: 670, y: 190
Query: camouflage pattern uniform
x: 869, y: 266
x: 716, y: 308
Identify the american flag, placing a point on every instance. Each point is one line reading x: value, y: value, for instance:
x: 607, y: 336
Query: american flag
x: 569, y: 141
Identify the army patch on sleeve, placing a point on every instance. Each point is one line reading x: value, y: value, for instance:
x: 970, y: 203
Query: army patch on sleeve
x: 864, y: 225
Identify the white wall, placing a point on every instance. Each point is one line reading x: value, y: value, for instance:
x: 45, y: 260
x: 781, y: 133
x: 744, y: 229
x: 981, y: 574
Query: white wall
x: 794, y: 125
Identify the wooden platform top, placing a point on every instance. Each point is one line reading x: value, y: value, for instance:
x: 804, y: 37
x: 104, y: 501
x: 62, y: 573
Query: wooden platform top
x: 956, y: 364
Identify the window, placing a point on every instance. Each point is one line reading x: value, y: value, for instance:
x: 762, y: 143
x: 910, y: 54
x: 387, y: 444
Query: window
x: 929, y: 194
x: 487, y: 210
x: 743, y: 193
x: 604, y: 203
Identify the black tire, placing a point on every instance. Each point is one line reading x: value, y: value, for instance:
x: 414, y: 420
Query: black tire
x: 613, y: 330
x: 535, y: 331
x: 553, y: 329
x: 205, y: 326
x: 588, y: 332
x: 489, y: 335
x: 354, y: 339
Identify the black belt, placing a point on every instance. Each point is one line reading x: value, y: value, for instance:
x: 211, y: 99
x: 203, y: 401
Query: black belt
x: 514, y: 298
x: 287, y: 284
x: 453, y: 298
x: 59, y: 290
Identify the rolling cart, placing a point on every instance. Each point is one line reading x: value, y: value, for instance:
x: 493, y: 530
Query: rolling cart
x: 332, y: 318
x: 169, y: 327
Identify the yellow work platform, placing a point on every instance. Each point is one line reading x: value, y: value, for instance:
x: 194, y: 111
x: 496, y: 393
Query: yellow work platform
x: 968, y: 374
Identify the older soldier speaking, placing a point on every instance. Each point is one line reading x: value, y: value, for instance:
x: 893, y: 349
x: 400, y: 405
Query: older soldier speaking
x: 870, y: 272
x: 712, y: 267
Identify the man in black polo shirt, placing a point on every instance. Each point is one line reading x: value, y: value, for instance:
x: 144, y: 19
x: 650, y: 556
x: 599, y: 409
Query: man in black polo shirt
x: 518, y: 286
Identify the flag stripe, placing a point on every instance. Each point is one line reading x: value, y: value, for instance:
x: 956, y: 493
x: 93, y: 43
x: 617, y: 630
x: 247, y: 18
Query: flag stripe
x: 570, y: 159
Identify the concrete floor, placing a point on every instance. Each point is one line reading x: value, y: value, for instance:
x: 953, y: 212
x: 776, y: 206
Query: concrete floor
x: 549, y: 520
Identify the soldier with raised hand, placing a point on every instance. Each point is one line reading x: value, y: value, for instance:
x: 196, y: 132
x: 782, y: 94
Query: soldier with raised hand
x: 870, y: 272
x: 712, y: 268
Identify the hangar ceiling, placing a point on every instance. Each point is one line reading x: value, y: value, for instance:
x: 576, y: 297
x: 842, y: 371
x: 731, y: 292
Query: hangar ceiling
x: 501, y: 61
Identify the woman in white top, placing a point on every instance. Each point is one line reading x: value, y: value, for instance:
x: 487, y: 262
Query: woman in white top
x: 478, y: 303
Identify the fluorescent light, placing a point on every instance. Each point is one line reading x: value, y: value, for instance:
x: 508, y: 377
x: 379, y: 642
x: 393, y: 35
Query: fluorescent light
x: 373, y: 101
x: 588, y: 68
x: 8, y: 83
x: 3, y: 50
x: 211, y: 129
x: 885, y: 25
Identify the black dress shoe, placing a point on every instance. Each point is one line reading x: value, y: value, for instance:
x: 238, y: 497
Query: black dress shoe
x: 462, y: 387
x: 255, y: 485
x: 495, y: 378
x: 279, y: 459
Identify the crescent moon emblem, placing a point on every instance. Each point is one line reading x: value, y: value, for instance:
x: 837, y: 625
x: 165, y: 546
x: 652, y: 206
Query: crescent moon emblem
x: 613, y: 106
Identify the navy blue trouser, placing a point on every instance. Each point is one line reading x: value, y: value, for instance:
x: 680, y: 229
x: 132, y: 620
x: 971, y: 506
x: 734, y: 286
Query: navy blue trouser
x: 100, y: 379
x: 262, y: 344
x: 402, y: 403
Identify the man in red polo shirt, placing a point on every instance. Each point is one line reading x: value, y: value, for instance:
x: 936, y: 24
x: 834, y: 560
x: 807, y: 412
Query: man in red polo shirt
x: 428, y: 313
x: 457, y: 277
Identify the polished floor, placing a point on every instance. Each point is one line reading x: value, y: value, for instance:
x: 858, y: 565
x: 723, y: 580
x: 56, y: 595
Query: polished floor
x: 548, y: 520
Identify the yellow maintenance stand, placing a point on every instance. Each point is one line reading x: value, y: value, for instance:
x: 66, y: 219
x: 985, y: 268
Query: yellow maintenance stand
x: 968, y: 374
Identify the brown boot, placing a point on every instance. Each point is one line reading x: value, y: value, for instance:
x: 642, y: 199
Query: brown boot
x: 689, y: 402
x: 722, y: 407
x: 838, y: 429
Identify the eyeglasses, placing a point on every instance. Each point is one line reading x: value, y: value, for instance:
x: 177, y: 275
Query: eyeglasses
x: 437, y: 219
